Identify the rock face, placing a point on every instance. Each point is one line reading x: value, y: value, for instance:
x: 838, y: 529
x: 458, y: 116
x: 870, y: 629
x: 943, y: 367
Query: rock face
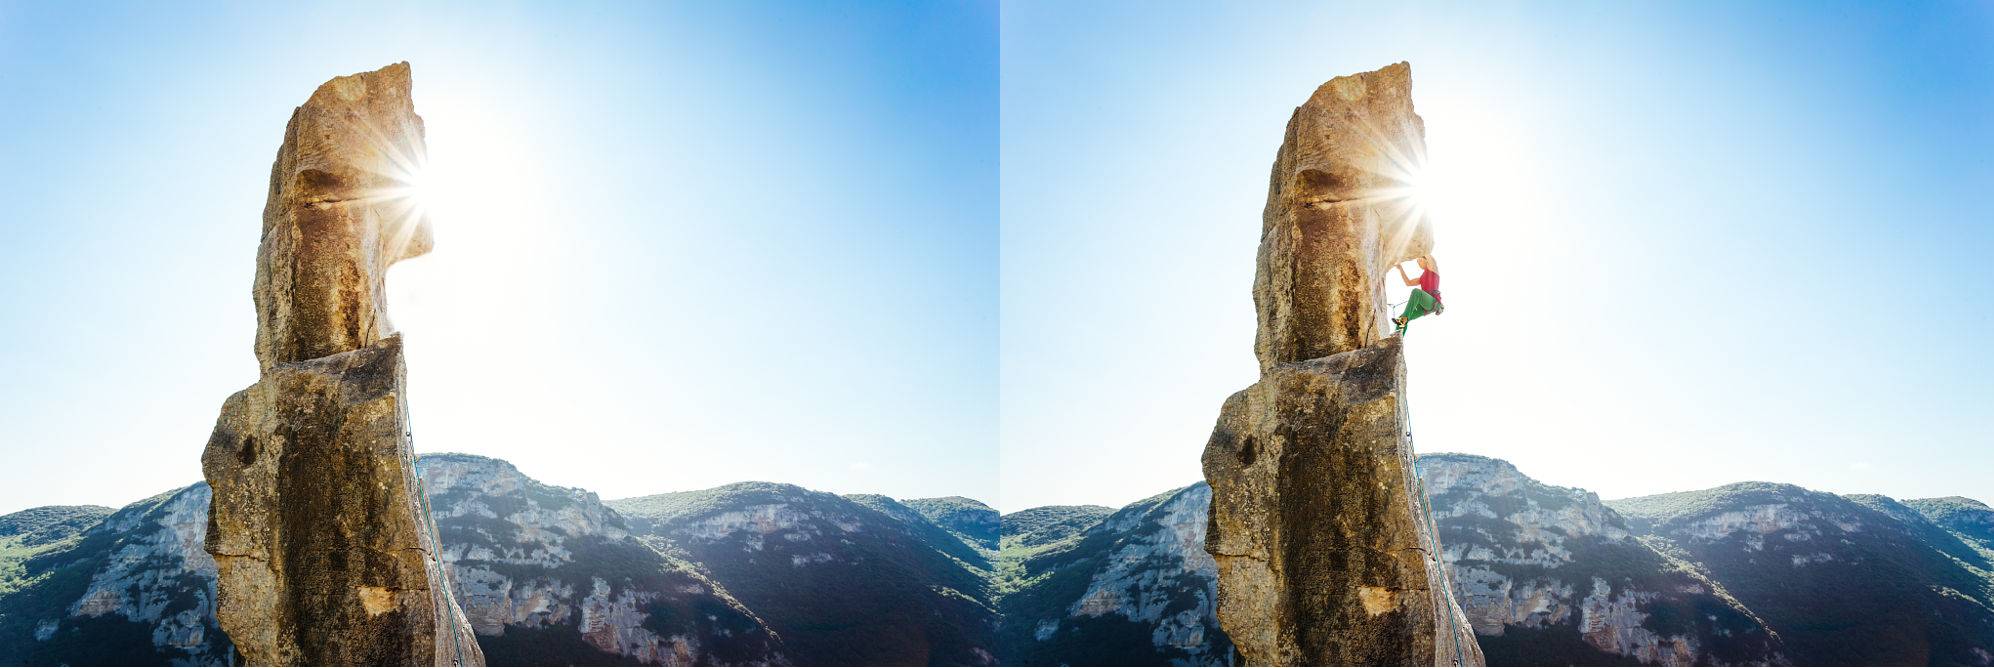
x: 1133, y: 589
x: 1551, y: 576
x: 1339, y: 215
x: 550, y: 576
x: 339, y: 212
x: 1318, y: 525
x: 131, y: 587
x: 318, y: 525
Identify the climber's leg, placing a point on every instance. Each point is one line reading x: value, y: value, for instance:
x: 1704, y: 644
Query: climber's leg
x: 1419, y: 304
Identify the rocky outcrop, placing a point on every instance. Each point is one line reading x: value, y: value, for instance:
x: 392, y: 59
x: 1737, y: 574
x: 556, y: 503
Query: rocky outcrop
x: 1136, y: 588
x: 549, y: 575
x: 158, y: 574
x: 1339, y: 215
x: 133, y: 587
x: 340, y: 211
x: 1318, y: 526
x: 318, y: 528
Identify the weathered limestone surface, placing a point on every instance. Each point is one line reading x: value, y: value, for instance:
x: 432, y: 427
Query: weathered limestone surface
x: 1338, y: 217
x: 338, y: 214
x: 1317, y: 522
x: 317, y: 524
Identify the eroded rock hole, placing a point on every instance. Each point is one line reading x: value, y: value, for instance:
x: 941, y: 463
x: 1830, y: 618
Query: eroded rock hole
x: 246, y: 455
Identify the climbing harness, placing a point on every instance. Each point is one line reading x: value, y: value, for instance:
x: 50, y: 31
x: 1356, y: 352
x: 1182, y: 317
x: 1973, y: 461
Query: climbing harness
x: 439, y: 583
x: 1432, y: 542
x: 1393, y: 310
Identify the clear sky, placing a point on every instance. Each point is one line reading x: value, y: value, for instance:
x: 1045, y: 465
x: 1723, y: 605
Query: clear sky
x: 1685, y: 244
x: 679, y: 244
x: 684, y: 244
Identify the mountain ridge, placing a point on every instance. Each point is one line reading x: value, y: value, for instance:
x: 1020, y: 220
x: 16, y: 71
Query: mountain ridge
x: 554, y: 574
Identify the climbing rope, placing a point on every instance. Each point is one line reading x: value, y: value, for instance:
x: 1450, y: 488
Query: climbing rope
x: 441, y: 586
x: 439, y: 583
x: 1432, y: 541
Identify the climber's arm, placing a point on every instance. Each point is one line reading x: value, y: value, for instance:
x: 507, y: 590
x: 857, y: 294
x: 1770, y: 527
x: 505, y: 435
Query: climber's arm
x: 1409, y: 281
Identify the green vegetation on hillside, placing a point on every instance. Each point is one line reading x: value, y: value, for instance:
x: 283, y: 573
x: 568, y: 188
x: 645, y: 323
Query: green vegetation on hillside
x: 37, y: 531
x: 38, y: 526
x: 1039, y: 527
x: 39, y: 583
x: 966, y: 518
x: 1662, y: 509
x: 927, y: 531
x: 1971, y: 520
x: 1049, y: 560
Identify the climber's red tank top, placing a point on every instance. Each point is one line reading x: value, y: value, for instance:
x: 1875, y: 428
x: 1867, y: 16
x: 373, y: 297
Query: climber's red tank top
x: 1430, y: 282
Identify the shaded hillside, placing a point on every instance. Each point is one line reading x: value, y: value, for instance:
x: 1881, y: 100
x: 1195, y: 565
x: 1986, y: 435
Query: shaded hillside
x: 1133, y: 588
x: 1844, y: 581
x: 548, y: 576
x: 82, y: 586
x: 841, y: 581
x: 969, y: 519
x: 1971, y: 520
x: 762, y: 573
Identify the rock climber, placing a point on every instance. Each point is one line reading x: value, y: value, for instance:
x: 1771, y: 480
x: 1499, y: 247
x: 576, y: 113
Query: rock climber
x: 1425, y: 292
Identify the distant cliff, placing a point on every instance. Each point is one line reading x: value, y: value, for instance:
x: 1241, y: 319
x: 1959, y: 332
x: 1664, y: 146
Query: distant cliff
x: 85, y: 586
x: 1846, y: 580
x: 549, y: 575
x: 1551, y: 575
x: 862, y: 580
x: 1082, y: 586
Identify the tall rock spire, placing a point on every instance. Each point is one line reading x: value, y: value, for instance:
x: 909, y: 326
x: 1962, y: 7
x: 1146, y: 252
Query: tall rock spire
x: 318, y: 523
x: 1318, y: 522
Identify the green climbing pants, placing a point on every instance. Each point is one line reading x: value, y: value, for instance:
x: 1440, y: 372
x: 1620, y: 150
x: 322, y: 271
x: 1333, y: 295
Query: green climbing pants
x: 1419, y: 304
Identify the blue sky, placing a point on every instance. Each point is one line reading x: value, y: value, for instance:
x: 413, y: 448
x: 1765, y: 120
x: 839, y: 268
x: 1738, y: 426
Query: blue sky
x: 685, y: 244
x: 1686, y: 244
